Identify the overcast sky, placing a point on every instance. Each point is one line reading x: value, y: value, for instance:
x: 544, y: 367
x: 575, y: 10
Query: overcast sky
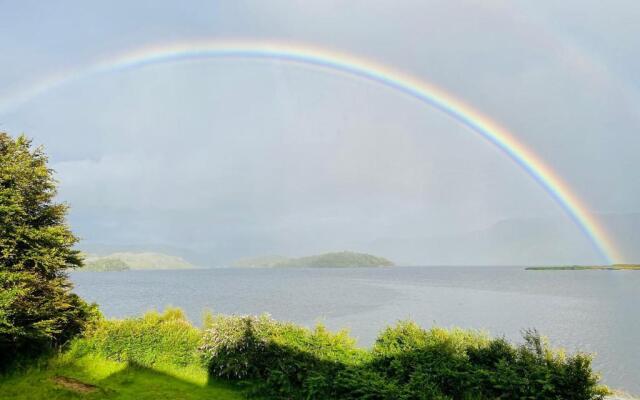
x: 219, y: 159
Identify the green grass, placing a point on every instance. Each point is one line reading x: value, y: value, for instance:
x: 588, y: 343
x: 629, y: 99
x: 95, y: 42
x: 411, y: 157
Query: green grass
x: 114, y: 380
x: 151, y: 357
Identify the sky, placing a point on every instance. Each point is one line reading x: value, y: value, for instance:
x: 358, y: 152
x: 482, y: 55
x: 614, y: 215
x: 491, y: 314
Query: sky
x: 225, y: 158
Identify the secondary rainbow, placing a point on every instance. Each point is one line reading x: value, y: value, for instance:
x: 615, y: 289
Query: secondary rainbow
x: 364, y: 69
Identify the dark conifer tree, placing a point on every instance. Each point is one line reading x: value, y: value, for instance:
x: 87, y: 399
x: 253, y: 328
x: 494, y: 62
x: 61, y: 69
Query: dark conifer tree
x: 37, y: 309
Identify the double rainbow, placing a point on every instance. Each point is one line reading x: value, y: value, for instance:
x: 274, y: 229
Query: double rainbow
x: 334, y: 61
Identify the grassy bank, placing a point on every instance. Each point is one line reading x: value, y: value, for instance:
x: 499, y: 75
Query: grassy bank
x: 163, y: 356
x: 94, y: 377
x: 152, y: 357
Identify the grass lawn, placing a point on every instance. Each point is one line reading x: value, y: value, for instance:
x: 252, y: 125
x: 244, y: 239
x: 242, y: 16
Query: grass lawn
x: 93, y: 377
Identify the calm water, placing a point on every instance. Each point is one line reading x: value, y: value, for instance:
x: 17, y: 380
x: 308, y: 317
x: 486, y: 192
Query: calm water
x: 595, y: 311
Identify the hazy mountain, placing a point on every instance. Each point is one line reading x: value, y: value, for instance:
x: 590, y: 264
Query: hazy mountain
x: 105, y: 248
x: 523, y: 241
x: 134, y: 261
x: 536, y: 241
x: 343, y: 259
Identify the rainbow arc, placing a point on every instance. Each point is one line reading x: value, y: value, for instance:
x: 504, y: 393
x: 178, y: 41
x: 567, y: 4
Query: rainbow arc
x: 364, y: 69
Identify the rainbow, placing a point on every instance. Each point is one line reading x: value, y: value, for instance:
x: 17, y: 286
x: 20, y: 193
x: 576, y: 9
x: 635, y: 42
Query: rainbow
x: 364, y: 69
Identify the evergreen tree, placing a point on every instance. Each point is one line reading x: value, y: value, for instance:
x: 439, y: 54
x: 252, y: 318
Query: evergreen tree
x: 37, y: 309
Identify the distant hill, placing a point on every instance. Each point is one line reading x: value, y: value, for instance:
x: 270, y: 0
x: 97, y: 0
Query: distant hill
x: 134, y: 261
x: 343, y: 259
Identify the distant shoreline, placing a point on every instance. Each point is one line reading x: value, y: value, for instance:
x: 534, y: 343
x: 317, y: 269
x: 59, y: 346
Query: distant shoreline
x: 615, y: 267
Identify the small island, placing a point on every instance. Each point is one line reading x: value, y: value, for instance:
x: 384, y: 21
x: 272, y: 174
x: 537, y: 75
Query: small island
x: 614, y: 267
x: 125, y: 261
x: 342, y: 259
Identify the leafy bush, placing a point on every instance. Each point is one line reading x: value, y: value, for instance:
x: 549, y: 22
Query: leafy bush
x: 406, y: 362
x: 283, y: 357
x: 435, y: 358
x: 153, y: 339
x: 459, y: 363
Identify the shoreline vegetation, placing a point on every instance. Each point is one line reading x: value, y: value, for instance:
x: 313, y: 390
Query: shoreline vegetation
x: 164, y: 356
x: 614, y: 267
x: 342, y: 259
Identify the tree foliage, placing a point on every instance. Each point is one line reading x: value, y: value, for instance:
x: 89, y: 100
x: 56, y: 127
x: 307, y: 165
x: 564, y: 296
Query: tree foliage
x: 37, y: 308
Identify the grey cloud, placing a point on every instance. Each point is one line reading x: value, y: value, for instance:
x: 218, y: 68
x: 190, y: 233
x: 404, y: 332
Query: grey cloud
x: 229, y: 158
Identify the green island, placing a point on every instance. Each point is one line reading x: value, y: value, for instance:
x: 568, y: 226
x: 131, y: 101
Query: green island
x: 614, y: 267
x: 124, y: 261
x: 341, y: 259
x: 54, y: 345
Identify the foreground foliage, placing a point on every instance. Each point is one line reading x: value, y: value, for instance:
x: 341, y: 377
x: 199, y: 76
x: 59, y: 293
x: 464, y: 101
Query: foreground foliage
x: 406, y: 362
x: 162, y: 356
x: 151, y: 340
x: 37, y: 309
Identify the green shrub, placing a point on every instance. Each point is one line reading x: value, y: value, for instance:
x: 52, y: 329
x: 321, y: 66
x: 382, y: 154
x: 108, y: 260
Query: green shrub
x: 283, y: 357
x: 231, y: 346
x: 436, y: 359
x: 153, y: 339
x: 460, y: 363
x: 406, y: 362
x: 534, y: 371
